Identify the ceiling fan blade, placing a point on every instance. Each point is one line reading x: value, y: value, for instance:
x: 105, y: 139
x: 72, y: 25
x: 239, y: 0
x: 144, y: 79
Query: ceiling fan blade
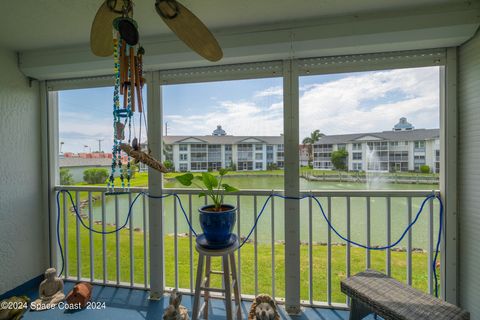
x: 189, y: 29
x: 101, y: 38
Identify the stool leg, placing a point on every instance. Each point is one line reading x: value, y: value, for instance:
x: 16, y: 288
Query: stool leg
x: 207, y: 284
x: 236, y: 291
x: 228, y: 293
x: 198, y: 284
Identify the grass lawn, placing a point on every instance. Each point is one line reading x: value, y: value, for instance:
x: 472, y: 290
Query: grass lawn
x: 264, y: 274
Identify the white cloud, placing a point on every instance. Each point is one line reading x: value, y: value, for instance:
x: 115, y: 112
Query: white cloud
x: 237, y: 118
x: 276, y: 91
x: 351, y: 104
x: 362, y: 102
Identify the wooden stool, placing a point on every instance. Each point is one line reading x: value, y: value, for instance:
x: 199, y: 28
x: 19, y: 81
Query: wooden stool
x: 203, y: 284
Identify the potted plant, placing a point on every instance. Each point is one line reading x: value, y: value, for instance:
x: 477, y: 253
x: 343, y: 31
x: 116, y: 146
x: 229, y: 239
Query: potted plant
x: 218, y: 219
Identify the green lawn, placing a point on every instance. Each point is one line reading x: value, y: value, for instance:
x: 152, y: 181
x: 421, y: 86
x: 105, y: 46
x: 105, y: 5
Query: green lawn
x: 247, y: 260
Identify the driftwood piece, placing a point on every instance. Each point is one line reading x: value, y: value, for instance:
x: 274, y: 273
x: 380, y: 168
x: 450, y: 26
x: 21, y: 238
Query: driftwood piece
x: 143, y: 158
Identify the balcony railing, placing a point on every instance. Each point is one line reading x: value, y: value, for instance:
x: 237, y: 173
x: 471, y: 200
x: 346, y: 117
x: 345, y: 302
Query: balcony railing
x: 369, y: 217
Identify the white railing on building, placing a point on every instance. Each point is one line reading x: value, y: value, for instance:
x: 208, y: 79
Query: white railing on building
x: 93, y: 248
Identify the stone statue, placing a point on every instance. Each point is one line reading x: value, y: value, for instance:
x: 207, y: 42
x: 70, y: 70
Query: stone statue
x: 175, y: 311
x: 50, y: 291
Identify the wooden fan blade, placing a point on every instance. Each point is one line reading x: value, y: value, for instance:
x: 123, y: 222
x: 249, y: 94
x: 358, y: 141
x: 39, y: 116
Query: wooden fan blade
x: 101, y: 38
x: 190, y: 30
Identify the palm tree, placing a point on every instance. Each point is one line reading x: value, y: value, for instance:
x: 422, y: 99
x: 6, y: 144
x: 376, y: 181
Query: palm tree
x: 310, y: 141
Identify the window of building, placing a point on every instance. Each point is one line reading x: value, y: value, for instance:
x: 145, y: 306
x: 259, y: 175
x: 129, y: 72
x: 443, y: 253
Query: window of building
x: 183, y: 167
x: 341, y: 146
x: 356, y: 155
x: 183, y: 157
x: 356, y: 146
x: 259, y: 165
x: 198, y: 147
x: 183, y: 147
x: 356, y: 166
x: 258, y: 156
x: 419, y: 158
x: 198, y: 166
x: 258, y: 147
x: 419, y: 144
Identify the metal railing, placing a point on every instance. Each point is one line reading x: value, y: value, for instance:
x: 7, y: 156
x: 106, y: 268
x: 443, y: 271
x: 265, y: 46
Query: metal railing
x: 371, y: 217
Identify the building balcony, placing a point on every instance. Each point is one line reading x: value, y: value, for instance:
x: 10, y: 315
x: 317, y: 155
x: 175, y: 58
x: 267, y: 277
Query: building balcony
x: 116, y: 263
x: 285, y: 70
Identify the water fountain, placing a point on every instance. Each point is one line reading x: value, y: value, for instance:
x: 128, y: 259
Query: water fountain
x: 374, y: 178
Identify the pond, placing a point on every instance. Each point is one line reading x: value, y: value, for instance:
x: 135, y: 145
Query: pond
x: 319, y: 227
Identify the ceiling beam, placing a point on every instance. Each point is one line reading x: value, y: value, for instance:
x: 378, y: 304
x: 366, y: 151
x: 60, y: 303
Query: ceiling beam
x: 445, y: 26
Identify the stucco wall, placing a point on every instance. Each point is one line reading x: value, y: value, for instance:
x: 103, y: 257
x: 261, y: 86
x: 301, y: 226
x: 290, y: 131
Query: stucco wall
x: 23, y: 250
x: 468, y: 175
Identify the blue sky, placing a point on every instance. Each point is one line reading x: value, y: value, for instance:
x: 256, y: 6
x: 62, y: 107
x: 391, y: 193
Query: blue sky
x: 335, y: 104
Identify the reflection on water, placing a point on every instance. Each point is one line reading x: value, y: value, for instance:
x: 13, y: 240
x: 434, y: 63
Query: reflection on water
x: 319, y: 228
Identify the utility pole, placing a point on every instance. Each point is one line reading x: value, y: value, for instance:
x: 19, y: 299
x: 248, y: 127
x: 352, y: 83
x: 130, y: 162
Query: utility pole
x: 99, y: 145
x: 166, y: 128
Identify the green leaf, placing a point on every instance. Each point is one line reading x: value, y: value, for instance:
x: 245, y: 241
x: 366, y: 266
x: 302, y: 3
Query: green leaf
x: 209, y: 181
x: 229, y: 188
x: 185, y: 179
x: 199, y: 178
x: 202, y: 194
x: 222, y: 171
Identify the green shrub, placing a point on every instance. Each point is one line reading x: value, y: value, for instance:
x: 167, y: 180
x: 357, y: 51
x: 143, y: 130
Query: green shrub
x: 232, y: 166
x: 339, y: 159
x: 169, y: 165
x: 95, y: 175
x: 272, y: 166
x: 424, y: 169
x: 133, y: 169
x: 66, y: 177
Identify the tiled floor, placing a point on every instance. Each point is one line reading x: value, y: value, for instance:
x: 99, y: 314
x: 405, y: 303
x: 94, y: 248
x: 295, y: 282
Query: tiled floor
x: 134, y: 304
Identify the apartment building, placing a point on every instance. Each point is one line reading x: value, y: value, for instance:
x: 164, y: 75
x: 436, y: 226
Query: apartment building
x: 219, y: 150
x: 402, y: 149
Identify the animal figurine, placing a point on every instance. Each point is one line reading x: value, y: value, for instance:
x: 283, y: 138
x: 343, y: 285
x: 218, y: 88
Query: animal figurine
x: 263, y: 308
x: 11, y: 313
x: 175, y: 311
x: 80, y: 294
x: 50, y: 292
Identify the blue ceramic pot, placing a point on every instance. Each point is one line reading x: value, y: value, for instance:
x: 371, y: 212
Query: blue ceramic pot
x: 217, y: 226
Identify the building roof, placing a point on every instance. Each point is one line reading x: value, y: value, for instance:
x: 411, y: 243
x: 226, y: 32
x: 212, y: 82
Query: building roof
x: 222, y: 139
x: 410, y: 135
x: 68, y: 162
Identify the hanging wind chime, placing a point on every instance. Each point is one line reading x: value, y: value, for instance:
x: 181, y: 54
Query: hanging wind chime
x: 129, y: 81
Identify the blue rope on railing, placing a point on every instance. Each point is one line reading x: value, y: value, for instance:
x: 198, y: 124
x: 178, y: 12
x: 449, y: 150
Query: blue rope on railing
x: 329, y: 223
